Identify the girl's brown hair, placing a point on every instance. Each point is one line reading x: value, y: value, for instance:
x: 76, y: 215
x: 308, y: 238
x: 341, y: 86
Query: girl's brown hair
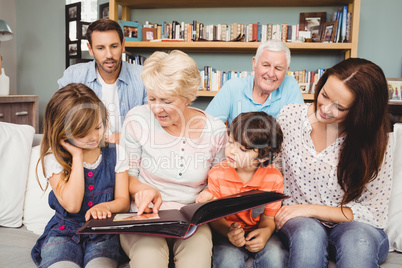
x: 366, y: 125
x: 73, y: 112
x: 258, y: 130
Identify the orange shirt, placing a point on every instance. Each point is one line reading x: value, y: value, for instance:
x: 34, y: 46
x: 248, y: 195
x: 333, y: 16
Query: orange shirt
x: 223, y: 181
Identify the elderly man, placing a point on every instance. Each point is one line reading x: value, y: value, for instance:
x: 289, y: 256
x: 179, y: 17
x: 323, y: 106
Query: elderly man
x: 268, y: 90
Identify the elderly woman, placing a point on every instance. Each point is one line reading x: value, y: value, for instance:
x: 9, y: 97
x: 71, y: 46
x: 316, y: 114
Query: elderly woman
x: 170, y: 149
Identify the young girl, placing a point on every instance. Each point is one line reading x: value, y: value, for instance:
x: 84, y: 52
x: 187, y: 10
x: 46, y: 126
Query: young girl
x: 254, y: 139
x: 80, y: 168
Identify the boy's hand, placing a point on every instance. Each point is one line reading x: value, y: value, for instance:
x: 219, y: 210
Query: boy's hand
x: 256, y: 240
x: 236, y: 235
x: 204, y: 196
x: 100, y: 211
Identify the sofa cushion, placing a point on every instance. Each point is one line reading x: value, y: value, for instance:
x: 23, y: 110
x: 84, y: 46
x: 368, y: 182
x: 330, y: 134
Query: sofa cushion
x: 37, y: 212
x: 394, y: 226
x: 15, y: 152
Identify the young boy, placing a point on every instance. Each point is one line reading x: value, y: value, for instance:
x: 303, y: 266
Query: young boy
x: 253, y: 140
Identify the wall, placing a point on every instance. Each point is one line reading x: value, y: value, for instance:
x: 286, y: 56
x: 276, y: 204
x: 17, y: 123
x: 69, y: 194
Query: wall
x: 40, y: 48
x: 40, y: 42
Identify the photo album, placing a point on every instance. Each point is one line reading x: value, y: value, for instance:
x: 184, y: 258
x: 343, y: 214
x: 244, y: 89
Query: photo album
x: 180, y: 223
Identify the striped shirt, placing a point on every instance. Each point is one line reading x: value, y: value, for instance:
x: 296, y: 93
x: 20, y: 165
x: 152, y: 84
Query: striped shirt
x: 223, y: 180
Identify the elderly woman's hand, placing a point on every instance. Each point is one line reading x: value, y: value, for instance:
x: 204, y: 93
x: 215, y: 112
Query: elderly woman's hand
x: 204, y: 196
x: 145, y: 196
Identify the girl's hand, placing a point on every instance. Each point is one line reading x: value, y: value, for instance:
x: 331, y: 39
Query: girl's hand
x: 204, y: 196
x: 286, y: 213
x: 73, y: 150
x: 236, y: 235
x: 145, y: 196
x: 100, y: 211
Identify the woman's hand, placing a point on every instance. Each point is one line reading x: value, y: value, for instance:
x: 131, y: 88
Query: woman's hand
x: 113, y: 138
x: 100, y: 211
x: 236, y: 235
x: 145, y: 196
x: 286, y: 213
x: 204, y: 196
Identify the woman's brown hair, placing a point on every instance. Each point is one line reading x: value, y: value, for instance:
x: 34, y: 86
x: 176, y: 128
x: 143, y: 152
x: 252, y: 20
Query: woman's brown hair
x: 366, y: 125
x: 73, y: 112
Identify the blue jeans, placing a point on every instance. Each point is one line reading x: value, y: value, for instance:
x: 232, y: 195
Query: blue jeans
x: 349, y: 244
x: 225, y: 254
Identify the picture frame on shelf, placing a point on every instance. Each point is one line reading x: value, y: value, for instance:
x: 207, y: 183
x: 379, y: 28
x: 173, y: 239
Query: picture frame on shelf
x: 304, y: 87
x: 103, y: 11
x: 82, y: 29
x: 395, y: 89
x: 132, y: 30
x: 315, y: 33
x: 148, y: 34
x: 328, y: 31
x: 310, y: 19
x: 73, y: 12
x: 74, y: 49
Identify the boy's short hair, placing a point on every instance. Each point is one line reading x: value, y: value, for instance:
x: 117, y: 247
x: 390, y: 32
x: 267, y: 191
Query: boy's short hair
x: 260, y: 131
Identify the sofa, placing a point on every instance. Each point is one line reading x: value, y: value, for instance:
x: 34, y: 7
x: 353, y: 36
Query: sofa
x: 24, y: 210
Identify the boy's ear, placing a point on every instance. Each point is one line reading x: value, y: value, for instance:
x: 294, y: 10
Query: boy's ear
x: 262, y: 160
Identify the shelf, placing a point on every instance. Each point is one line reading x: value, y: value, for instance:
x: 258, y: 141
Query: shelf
x: 145, y: 4
x: 230, y: 47
x: 205, y: 93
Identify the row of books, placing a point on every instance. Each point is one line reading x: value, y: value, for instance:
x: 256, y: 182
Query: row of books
x: 213, y: 80
x: 133, y: 59
x: 343, y: 29
x: 252, y: 32
x: 307, y: 79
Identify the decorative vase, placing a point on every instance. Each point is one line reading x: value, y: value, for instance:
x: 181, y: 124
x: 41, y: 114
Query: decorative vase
x: 4, y: 83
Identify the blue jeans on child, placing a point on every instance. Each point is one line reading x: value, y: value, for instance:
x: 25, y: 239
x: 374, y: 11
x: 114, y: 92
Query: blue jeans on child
x: 349, y: 244
x: 226, y: 255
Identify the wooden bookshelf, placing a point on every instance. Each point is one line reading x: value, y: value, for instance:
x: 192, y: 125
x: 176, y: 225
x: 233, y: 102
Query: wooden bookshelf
x: 237, y: 47
x: 347, y: 49
x: 205, y: 93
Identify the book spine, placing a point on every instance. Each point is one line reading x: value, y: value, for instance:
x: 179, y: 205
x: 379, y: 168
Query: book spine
x: 344, y: 22
x: 284, y: 32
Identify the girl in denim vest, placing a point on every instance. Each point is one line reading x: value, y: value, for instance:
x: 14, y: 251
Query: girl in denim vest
x: 80, y: 168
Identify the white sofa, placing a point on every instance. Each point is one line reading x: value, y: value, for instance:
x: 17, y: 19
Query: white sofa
x: 24, y: 210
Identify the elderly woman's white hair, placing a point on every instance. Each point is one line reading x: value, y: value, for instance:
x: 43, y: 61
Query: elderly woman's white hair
x: 174, y: 73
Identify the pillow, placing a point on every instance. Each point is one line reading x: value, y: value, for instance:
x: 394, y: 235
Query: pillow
x: 37, y: 212
x: 394, y: 226
x: 15, y: 151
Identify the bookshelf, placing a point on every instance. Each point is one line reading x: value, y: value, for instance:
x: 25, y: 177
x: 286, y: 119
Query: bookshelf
x: 346, y: 49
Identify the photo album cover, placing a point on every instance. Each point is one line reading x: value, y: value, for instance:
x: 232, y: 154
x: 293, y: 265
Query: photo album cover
x: 180, y: 223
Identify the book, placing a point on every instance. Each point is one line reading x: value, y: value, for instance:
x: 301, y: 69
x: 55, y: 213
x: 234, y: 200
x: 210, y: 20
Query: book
x: 180, y: 223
